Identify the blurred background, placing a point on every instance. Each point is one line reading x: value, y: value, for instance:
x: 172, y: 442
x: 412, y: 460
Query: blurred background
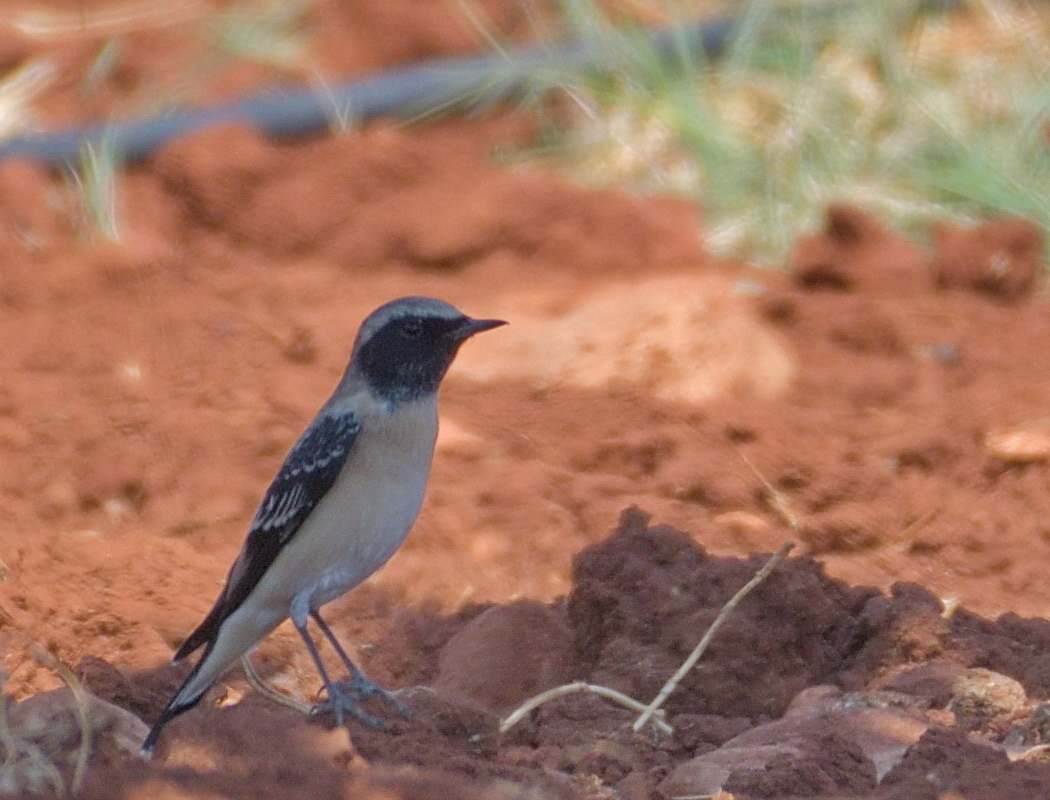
x: 768, y: 267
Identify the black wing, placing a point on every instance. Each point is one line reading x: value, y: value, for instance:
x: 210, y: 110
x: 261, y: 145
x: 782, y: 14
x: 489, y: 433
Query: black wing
x: 307, y: 474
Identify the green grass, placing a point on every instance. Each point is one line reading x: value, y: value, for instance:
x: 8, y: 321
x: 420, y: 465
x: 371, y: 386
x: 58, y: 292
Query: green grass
x: 95, y: 180
x: 265, y: 31
x: 268, y: 32
x: 912, y: 113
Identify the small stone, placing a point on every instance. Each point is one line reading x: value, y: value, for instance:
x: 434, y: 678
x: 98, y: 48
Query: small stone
x: 52, y: 721
x: 506, y: 655
x: 1021, y: 444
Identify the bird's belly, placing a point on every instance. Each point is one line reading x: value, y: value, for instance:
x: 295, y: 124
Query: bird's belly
x: 364, y: 519
x: 369, y: 537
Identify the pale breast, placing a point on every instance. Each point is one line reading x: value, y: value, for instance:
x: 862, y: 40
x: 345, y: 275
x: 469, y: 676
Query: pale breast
x: 367, y: 514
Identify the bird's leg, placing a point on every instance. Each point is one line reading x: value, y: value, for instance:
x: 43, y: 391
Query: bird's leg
x: 359, y: 685
x: 339, y: 699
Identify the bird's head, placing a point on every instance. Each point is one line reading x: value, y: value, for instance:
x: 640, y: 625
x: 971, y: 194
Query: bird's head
x: 404, y: 348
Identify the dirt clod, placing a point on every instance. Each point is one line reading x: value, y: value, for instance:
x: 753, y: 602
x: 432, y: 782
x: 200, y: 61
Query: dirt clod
x: 1001, y: 258
x: 882, y: 404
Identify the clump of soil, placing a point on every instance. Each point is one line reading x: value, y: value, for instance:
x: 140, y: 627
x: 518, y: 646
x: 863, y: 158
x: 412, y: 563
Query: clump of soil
x: 882, y: 404
x: 640, y: 601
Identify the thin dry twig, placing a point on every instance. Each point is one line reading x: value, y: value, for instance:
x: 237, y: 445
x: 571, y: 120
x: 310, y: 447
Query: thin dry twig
x: 46, y: 659
x: 698, y: 651
x: 532, y: 703
x: 267, y: 691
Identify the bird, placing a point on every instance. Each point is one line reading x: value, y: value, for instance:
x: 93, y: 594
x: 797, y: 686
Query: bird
x: 340, y: 505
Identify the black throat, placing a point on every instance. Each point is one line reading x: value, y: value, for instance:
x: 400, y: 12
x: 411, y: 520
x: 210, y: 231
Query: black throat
x: 399, y: 367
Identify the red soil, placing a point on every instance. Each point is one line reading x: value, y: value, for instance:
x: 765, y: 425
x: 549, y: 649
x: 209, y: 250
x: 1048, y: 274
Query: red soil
x: 882, y: 405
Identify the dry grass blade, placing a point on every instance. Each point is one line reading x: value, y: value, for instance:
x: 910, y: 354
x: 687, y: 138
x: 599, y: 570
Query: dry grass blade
x: 532, y: 703
x: 18, y: 89
x: 45, y: 658
x: 267, y: 691
x: 903, y: 540
x: 698, y: 651
x: 776, y: 497
x: 25, y: 762
x: 112, y: 21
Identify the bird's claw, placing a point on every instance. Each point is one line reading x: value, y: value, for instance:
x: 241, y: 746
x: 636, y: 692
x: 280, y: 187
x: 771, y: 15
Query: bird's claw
x: 346, y: 696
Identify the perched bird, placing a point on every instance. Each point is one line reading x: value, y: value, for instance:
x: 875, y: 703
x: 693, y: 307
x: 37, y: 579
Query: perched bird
x: 341, y: 504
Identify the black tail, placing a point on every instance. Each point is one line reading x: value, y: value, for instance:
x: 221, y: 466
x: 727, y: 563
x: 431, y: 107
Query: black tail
x: 203, y: 633
x: 175, y: 705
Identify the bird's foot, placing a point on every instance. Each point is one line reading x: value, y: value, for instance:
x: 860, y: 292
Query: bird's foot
x: 345, y: 696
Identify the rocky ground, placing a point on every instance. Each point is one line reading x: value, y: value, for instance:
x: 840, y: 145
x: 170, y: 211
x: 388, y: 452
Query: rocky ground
x: 612, y: 468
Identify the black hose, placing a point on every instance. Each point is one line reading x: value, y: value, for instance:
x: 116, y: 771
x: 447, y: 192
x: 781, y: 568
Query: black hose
x: 410, y: 91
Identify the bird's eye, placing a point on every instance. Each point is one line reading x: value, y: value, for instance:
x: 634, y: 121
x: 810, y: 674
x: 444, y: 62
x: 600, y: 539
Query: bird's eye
x: 412, y: 328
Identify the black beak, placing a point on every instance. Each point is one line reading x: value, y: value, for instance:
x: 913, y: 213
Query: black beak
x: 469, y: 327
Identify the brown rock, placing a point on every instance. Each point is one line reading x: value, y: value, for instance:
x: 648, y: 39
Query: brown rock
x: 49, y: 730
x: 506, y: 655
x: 826, y: 741
x: 856, y: 252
